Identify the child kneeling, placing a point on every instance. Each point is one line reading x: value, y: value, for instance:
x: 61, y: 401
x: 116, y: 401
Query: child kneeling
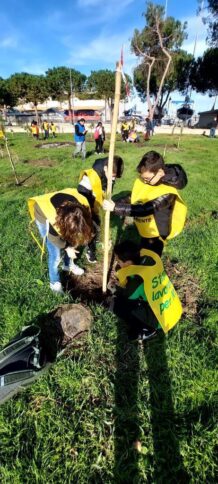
x: 146, y: 299
x: 130, y: 302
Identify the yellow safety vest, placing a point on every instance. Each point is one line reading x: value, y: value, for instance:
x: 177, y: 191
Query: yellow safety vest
x: 48, y: 209
x: 96, y: 185
x: 159, y: 290
x: 142, y: 193
x: 34, y: 129
x: 1, y: 134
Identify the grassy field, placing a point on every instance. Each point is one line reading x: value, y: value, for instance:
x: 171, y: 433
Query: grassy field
x: 113, y: 411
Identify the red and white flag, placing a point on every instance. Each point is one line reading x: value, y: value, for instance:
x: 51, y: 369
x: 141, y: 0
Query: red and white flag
x: 123, y: 75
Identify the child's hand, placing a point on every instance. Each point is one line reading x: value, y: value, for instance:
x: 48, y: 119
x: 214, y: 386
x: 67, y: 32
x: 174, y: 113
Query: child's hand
x: 71, y: 252
x: 108, y: 205
x: 160, y: 174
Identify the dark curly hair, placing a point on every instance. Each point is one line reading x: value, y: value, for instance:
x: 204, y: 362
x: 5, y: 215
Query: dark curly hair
x: 74, y: 223
x: 152, y: 161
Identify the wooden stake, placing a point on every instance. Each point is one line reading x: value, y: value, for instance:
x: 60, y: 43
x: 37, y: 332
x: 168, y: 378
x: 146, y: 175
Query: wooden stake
x: 110, y: 173
x: 11, y: 161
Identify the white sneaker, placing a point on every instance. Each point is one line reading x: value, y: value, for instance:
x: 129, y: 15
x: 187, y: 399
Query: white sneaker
x: 56, y: 287
x: 76, y: 270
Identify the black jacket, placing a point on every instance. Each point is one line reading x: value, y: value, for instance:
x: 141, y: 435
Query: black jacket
x: 98, y: 166
x: 160, y: 207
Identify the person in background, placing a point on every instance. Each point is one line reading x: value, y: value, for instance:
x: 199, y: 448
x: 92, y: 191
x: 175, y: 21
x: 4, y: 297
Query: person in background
x: 213, y: 128
x: 80, y: 138
x: 99, y: 136
x: 53, y: 130
x: 35, y: 130
x: 65, y: 223
x: 45, y: 127
x: 148, y: 129
x: 124, y: 131
x: 132, y: 124
x: 2, y: 134
x: 133, y: 137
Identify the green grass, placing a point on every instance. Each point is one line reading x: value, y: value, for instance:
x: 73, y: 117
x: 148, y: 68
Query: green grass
x: 78, y: 423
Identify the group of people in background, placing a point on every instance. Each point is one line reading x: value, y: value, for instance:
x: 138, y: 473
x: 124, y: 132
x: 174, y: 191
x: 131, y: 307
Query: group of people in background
x: 46, y: 128
x: 80, y: 138
x: 129, y: 132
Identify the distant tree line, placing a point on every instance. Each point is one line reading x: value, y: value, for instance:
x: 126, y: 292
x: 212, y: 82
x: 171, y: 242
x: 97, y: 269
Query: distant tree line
x: 152, y: 45
x: 59, y: 83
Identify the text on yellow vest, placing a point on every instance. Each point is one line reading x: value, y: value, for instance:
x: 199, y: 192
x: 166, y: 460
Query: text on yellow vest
x: 159, y: 290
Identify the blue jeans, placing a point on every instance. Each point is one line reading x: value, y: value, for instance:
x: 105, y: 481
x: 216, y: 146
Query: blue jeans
x: 212, y: 132
x: 54, y: 255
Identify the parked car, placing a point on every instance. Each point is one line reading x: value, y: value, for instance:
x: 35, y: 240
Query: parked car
x: 52, y: 114
x: 89, y: 115
x: 167, y: 121
x: 193, y: 121
x: 13, y: 112
x: 139, y: 119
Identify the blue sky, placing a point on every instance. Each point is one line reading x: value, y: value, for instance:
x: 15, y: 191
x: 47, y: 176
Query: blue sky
x: 84, y: 34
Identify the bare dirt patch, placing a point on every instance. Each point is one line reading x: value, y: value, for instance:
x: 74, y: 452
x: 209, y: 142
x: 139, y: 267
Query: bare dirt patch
x: 169, y: 148
x: 42, y: 163
x: 29, y: 181
x: 89, y: 287
x: 55, y: 144
x: 202, y: 218
x: 187, y: 287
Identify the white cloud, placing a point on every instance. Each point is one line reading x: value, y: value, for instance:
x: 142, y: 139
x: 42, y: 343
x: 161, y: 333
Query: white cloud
x: 104, y: 49
x: 197, y: 33
x: 99, y: 3
x: 98, y: 12
x: 8, y: 42
x: 89, y: 3
x: 32, y: 68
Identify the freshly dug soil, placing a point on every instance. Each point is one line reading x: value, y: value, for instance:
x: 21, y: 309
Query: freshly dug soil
x: 89, y: 287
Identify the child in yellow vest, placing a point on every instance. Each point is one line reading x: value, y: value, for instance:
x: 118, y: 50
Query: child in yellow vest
x: 45, y: 127
x: 64, y: 222
x: 53, y: 130
x: 146, y: 299
x: 159, y: 212
x: 1, y: 133
x: 93, y: 185
x: 35, y: 130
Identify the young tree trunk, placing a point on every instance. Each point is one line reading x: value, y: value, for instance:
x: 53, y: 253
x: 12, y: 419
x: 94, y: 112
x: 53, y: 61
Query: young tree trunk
x: 37, y: 114
x: 110, y: 173
x: 105, y: 109
x: 11, y: 162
